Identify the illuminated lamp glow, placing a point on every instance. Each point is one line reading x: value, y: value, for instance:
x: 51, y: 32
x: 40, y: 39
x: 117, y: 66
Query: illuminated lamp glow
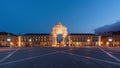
x: 109, y: 39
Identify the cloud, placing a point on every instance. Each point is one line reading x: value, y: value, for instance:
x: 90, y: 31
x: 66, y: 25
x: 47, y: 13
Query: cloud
x: 107, y: 28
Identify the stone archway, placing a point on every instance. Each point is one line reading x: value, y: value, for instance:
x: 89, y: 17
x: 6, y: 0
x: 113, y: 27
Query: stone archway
x: 56, y: 30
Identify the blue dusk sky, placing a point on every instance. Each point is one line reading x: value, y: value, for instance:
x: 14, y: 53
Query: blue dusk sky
x: 39, y: 16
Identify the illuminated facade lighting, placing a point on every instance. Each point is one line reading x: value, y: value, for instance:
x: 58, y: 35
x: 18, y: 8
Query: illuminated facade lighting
x: 68, y: 39
x: 19, y: 41
x: 110, y: 39
x: 8, y: 39
x: 88, y: 40
x: 30, y: 40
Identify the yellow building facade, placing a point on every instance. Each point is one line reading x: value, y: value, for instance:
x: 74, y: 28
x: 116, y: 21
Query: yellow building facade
x: 110, y: 39
x: 52, y: 39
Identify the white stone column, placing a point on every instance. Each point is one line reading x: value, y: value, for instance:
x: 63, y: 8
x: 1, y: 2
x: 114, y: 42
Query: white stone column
x: 69, y: 41
x: 64, y: 40
x: 19, y: 41
x: 54, y: 41
x: 99, y: 40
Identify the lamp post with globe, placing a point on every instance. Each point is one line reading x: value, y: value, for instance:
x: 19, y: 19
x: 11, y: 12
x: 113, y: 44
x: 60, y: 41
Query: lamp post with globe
x: 30, y: 42
x: 8, y: 41
x: 110, y: 41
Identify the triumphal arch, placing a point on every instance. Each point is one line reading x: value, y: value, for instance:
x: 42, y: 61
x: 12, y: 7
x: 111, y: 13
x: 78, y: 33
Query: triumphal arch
x: 59, y: 29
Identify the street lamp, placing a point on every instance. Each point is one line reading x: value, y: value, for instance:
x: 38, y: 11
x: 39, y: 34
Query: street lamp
x: 8, y: 41
x: 30, y: 42
x: 110, y: 41
x: 88, y: 40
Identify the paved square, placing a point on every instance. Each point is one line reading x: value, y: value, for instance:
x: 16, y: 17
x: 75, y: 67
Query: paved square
x: 36, y: 57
